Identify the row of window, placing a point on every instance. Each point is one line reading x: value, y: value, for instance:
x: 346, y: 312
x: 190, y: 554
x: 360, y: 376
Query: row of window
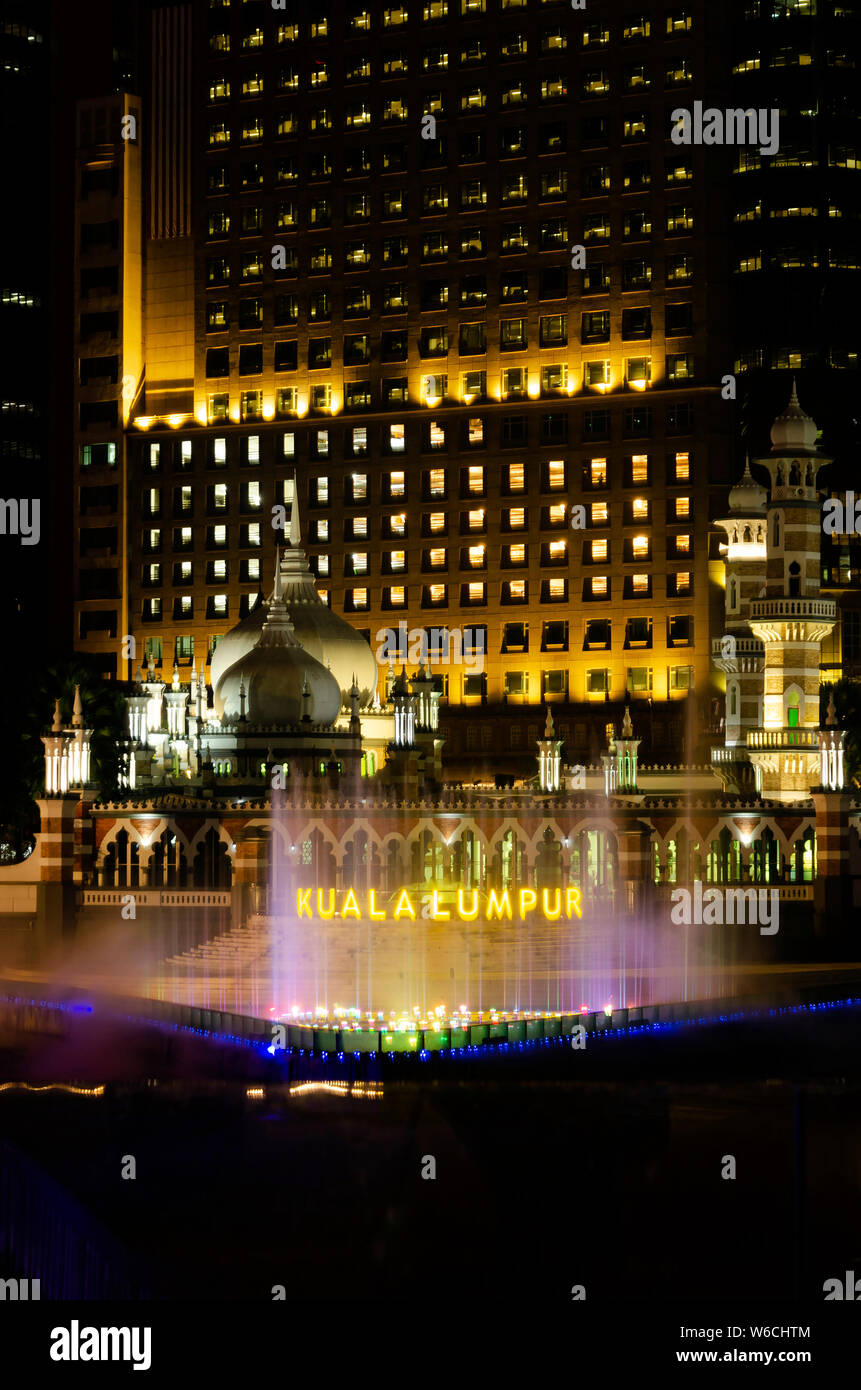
x: 394, y: 203
x: 432, y: 295
x: 635, y: 549
x: 366, y: 67
x: 796, y: 359
x: 796, y: 258
x: 515, y: 384
x: 355, y: 115
x: 507, y: 142
x: 638, y: 632
x: 637, y: 422
x: 360, y: 21
x: 638, y: 470
x: 792, y: 155
x: 513, y: 239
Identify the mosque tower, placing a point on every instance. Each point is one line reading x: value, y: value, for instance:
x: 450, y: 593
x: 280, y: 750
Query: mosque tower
x: 791, y: 617
x: 737, y: 652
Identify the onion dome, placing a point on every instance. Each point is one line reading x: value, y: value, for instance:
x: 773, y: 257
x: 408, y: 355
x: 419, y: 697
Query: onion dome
x: 748, y: 497
x: 278, y: 682
x: 794, y: 430
x: 323, y: 634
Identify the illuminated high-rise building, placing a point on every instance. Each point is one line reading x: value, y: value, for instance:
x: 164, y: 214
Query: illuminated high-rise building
x: 442, y: 262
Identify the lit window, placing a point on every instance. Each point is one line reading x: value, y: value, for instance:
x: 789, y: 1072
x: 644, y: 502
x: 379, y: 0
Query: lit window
x: 600, y: 549
x: 640, y: 547
x: 516, y: 477
x: 517, y: 518
x: 557, y: 550
x: 397, y: 596
x: 360, y: 598
x: 397, y: 435
x: 557, y: 589
x: 597, y: 373
x: 683, y: 467
x: 475, y: 478
x: 598, y: 472
x: 436, y: 522
x: 359, y: 560
x: 555, y: 474
x: 516, y: 590
x: 397, y: 559
x: 640, y: 509
x: 397, y: 484
x: 683, y: 545
x: 436, y: 482
x: 476, y: 519
x: 476, y: 555
x: 475, y: 593
x: 517, y: 554
x: 437, y: 559
x: 640, y: 583
x: 639, y: 469
x: 599, y: 514
x: 599, y: 586
x: 683, y: 508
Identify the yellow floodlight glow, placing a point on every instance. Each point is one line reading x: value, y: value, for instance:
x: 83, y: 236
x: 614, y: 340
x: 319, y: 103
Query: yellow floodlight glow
x: 335, y: 405
x: 301, y: 406
x: 200, y: 413
x: 143, y: 422
x: 268, y: 407
x: 176, y: 420
x: 234, y: 414
x: 639, y: 384
x: 534, y: 388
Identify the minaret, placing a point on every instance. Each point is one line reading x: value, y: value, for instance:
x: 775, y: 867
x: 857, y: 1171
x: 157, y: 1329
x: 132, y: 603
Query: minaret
x: 831, y: 740
x: 355, y: 721
x: 620, y: 761
x: 791, y: 618
x: 549, y: 757
x: 405, y: 712
x: 737, y: 652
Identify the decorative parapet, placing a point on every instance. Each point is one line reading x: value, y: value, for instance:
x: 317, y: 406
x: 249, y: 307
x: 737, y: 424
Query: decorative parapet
x: 783, y: 738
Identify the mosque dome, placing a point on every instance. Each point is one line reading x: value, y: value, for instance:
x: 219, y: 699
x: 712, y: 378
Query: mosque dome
x: 323, y: 634
x: 748, y: 497
x: 277, y: 681
x: 794, y: 430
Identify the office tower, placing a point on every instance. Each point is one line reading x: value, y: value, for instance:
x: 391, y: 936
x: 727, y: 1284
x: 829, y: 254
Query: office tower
x: 445, y: 264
